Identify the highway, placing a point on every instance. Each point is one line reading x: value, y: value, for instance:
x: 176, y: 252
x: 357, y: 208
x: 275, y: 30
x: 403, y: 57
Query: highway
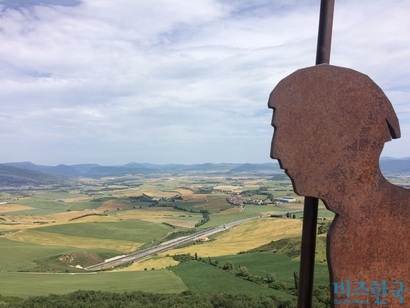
x: 165, y: 246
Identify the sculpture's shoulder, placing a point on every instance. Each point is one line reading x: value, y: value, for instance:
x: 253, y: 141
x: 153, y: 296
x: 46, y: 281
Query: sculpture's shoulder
x: 395, y: 202
x: 399, y: 195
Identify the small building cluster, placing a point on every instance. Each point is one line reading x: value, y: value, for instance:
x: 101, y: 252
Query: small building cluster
x: 238, y: 200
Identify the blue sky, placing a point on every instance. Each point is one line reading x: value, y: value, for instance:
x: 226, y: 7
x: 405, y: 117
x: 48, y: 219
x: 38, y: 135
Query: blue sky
x: 179, y: 81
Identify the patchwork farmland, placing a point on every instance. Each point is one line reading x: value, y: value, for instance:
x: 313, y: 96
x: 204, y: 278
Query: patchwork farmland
x: 50, y: 235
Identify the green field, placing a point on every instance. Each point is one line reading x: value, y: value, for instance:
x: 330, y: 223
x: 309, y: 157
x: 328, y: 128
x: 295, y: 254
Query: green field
x: 263, y: 264
x: 34, y: 284
x: 212, y: 279
x: 128, y: 230
x: 17, y: 256
x: 45, y: 203
x: 82, y: 205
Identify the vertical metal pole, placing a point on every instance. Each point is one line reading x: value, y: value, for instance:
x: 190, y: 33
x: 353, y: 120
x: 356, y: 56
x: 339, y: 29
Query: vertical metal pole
x: 324, y: 39
x: 307, y: 256
x: 310, y: 209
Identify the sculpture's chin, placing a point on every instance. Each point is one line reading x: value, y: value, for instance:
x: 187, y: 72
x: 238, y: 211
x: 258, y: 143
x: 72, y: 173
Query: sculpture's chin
x: 302, y: 190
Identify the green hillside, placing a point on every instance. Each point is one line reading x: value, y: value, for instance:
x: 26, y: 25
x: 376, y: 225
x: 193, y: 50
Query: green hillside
x: 291, y: 248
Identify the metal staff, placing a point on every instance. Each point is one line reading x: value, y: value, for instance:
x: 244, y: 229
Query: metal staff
x: 310, y: 210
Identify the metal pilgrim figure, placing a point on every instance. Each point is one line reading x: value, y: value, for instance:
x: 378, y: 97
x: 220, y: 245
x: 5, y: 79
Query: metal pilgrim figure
x: 331, y: 124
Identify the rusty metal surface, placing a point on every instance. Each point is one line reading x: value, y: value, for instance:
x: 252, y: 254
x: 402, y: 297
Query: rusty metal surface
x: 331, y: 124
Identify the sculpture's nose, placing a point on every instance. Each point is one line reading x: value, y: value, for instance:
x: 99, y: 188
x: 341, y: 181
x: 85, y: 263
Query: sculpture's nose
x: 274, y: 146
x: 273, y: 153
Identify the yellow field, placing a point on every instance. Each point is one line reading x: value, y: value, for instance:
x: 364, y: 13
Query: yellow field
x: 252, y: 184
x: 129, y: 192
x: 155, y: 262
x: 148, y: 189
x: 184, y: 191
x: 255, y: 182
x: 95, y: 219
x: 61, y: 217
x: 229, y: 187
x: 17, y: 222
x: 246, y: 236
x: 23, y: 222
x: 73, y: 200
x: 152, y: 190
x: 189, y: 195
x: 156, y: 212
x: 53, y: 239
x: 213, y: 201
x: 7, y: 208
x: 230, y: 211
x: 66, y: 216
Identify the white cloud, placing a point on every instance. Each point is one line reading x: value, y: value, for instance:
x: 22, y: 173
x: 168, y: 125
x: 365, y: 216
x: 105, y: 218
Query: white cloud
x: 175, y: 81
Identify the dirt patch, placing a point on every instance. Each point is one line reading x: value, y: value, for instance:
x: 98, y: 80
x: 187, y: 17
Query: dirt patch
x: 82, y: 258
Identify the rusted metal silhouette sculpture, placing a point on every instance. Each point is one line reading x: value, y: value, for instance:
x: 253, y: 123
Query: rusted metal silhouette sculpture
x: 331, y: 124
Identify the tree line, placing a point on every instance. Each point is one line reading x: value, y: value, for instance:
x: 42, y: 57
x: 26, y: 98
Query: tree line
x: 186, y: 299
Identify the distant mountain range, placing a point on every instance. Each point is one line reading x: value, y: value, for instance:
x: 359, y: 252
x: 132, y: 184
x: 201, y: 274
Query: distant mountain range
x: 24, y: 169
x: 27, y: 173
x: 395, y: 165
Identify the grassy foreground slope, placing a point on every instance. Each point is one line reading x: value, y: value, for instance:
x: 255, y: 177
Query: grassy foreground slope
x: 201, y: 277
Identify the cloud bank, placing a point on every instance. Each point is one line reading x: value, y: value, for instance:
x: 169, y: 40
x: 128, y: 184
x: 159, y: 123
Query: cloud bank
x: 176, y: 81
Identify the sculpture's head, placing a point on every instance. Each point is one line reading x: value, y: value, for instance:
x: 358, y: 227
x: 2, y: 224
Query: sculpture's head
x: 330, y: 125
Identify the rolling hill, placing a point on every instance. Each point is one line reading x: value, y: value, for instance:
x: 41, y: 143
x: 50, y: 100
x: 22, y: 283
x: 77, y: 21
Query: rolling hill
x: 14, y: 177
